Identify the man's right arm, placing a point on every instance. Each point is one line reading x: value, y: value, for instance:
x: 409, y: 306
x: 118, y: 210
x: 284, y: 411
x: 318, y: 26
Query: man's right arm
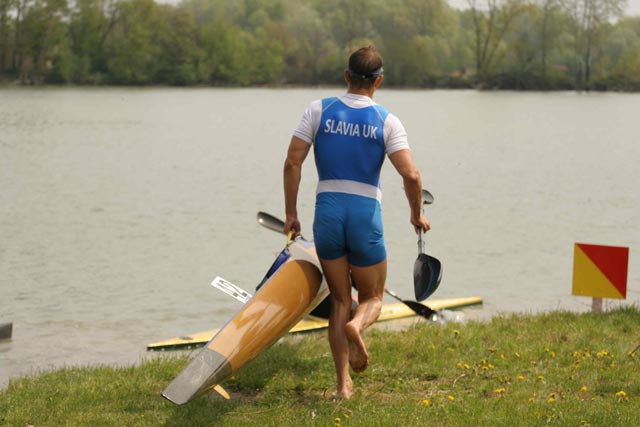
x: 298, y: 150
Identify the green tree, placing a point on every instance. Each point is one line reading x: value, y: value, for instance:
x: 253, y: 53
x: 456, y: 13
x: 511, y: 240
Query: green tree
x: 311, y: 54
x: 91, y: 21
x: 174, y: 33
x: 589, y: 19
x: 131, y: 53
x: 43, y: 36
x: 491, y: 21
x: 622, y: 50
x: 348, y: 20
x: 548, y: 19
x: 6, y: 10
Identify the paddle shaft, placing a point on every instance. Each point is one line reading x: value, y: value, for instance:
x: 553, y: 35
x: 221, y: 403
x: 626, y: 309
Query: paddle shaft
x: 418, y: 308
x: 277, y: 225
x: 427, y: 270
x: 427, y: 199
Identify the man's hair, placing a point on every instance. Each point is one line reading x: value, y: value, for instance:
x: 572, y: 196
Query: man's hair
x: 365, y: 65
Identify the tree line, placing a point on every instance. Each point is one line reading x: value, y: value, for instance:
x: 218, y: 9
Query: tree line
x: 515, y: 44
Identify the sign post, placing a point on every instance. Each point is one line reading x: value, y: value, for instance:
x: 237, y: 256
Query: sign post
x: 600, y: 272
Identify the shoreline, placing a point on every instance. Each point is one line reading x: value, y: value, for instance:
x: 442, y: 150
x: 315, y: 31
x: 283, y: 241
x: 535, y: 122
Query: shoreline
x: 511, y: 371
x: 467, y: 86
x: 462, y: 316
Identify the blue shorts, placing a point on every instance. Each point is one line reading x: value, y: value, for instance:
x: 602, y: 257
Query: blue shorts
x: 347, y: 224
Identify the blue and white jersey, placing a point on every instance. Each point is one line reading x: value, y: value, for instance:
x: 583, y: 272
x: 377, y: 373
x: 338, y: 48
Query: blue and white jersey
x: 351, y: 136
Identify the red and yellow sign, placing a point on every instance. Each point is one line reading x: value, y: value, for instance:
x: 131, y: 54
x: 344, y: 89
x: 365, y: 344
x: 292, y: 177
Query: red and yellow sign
x: 600, y: 271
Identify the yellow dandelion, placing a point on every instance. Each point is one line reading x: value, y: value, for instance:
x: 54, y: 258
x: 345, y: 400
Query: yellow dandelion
x: 552, y: 354
x: 540, y: 377
x: 466, y: 366
x: 532, y: 399
x: 537, y: 414
x: 583, y: 389
x: 621, y: 393
x: 425, y: 402
x: 456, y: 332
x: 501, y: 355
x: 520, y: 377
x: 346, y: 416
x: 500, y: 390
x: 459, y: 365
x: 631, y: 354
x: 451, y: 398
x: 551, y: 400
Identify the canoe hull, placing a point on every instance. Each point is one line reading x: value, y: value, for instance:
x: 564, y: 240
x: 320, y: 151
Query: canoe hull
x: 289, y: 295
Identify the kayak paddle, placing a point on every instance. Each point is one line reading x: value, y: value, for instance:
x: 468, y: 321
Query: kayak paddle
x: 427, y: 270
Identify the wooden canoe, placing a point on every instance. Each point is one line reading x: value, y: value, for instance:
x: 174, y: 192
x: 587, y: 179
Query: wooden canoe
x: 286, y: 297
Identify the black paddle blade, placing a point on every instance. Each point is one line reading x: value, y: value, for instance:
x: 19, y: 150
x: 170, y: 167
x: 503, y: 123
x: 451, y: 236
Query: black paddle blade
x: 420, y: 309
x: 427, y: 197
x: 270, y: 222
x: 427, y: 274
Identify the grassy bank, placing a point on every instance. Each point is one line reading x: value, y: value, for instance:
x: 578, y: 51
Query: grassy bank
x: 562, y: 369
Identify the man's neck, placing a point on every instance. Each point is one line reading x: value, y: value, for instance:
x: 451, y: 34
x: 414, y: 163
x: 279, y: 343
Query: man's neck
x: 363, y: 92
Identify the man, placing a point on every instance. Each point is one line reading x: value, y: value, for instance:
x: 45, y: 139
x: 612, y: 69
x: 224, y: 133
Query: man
x: 351, y: 136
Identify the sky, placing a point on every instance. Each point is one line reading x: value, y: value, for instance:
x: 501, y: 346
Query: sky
x: 633, y: 7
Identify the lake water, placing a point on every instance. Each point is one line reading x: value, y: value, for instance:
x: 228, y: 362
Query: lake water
x: 119, y: 206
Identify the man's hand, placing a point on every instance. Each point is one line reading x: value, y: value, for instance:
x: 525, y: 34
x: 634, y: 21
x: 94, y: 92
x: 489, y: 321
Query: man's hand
x: 292, y: 224
x: 421, y: 223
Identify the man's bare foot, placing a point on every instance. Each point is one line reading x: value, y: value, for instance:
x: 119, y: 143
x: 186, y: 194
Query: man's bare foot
x: 358, y: 356
x: 345, y: 391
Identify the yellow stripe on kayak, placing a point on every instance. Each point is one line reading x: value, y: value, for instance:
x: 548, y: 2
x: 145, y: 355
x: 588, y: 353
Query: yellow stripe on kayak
x: 389, y: 312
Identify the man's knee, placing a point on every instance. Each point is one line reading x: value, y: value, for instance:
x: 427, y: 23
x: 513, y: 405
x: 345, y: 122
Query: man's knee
x: 339, y: 300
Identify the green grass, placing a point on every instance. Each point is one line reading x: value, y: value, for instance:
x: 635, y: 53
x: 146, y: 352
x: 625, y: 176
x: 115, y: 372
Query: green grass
x: 559, y: 369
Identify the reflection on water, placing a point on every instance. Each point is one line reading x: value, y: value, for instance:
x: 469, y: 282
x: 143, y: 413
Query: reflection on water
x: 118, y: 206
